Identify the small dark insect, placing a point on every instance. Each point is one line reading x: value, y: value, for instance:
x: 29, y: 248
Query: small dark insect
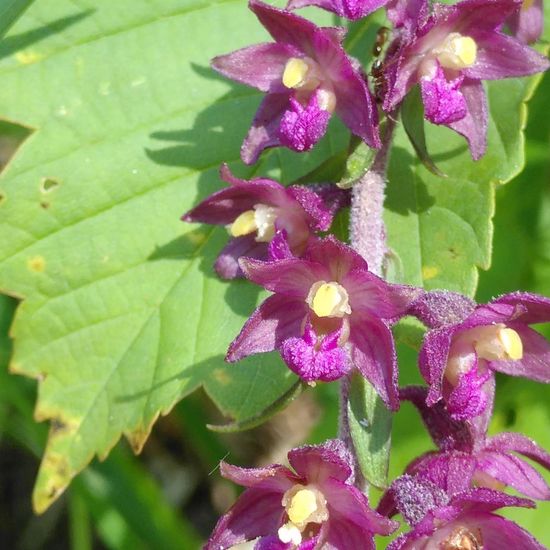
x: 377, y: 74
x: 382, y: 36
x: 377, y: 68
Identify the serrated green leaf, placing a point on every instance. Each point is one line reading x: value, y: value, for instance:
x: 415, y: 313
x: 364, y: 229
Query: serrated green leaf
x: 259, y: 418
x: 370, y: 424
x: 441, y: 229
x: 122, y: 313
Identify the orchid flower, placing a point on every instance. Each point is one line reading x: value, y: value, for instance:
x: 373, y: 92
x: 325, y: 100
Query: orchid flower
x: 307, y: 76
x: 461, y: 353
x: 328, y: 313
x: 255, y: 210
x: 313, y: 505
x: 449, y: 53
x: 463, y: 521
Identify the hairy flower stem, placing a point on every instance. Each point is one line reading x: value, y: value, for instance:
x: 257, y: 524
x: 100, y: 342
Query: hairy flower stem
x: 368, y: 237
x: 367, y: 230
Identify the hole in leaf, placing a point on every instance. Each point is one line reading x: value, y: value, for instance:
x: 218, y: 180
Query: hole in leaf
x: 11, y: 137
x: 47, y: 185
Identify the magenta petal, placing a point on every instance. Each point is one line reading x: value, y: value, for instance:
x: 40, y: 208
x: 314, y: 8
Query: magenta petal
x: 500, y: 533
x: 527, y: 307
x: 225, y: 205
x: 442, y: 98
x: 314, y: 205
x: 349, y: 506
x: 432, y: 360
x: 227, y: 263
x: 515, y: 472
x: 355, y: 105
x: 468, y: 398
x: 264, y: 131
x: 519, y: 443
x: 474, y: 125
x: 535, y: 363
x: 260, y: 66
x: 285, y: 26
x: 439, y: 308
x: 487, y: 500
x: 292, y: 277
x: 350, y: 9
x: 310, y: 361
x: 302, y: 127
x: 273, y: 478
x: 500, y: 56
x: 469, y: 15
x: 407, y: 13
x: 316, y: 463
x: 373, y: 353
x: 415, y: 497
x: 277, y: 319
x: 452, y: 472
x: 493, y: 312
x: 256, y: 513
x: 527, y: 24
x: 372, y: 295
x: 338, y: 257
x: 480, y: 423
x: 272, y: 542
x: 278, y: 248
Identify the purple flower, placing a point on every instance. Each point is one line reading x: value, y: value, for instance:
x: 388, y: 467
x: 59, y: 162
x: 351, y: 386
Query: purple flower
x: 467, y: 455
x: 463, y: 521
x: 351, y: 9
x: 255, y: 210
x: 328, y: 313
x: 527, y: 23
x: 307, y: 76
x: 458, y: 358
x: 449, y: 53
x: 314, y: 505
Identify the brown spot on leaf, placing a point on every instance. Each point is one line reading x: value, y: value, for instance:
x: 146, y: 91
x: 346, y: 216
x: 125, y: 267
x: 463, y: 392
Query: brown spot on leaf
x: 58, y: 425
x: 45, y: 205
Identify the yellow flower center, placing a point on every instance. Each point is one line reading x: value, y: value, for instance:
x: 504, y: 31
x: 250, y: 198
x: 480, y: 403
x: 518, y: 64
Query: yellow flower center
x: 491, y: 343
x: 457, y: 52
x: 526, y: 4
x: 328, y: 299
x: 304, y: 505
x: 260, y: 220
x: 244, y: 224
x: 498, y: 342
x: 295, y: 73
